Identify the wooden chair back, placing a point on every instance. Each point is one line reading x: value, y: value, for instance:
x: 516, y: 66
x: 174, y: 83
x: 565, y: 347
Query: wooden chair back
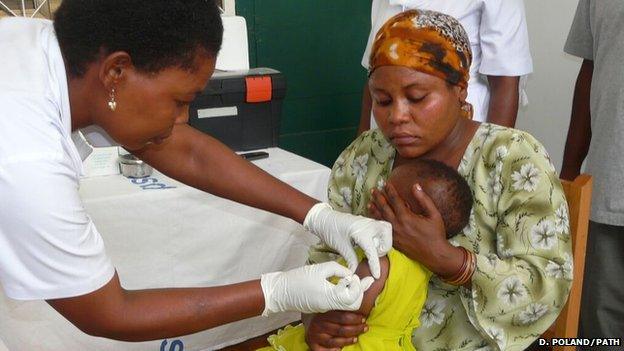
x: 578, y: 194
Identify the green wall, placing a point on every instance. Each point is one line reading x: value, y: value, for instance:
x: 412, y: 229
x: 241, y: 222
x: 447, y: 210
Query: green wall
x: 318, y: 45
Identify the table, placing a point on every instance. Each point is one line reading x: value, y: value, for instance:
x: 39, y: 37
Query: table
x: 161, y: 233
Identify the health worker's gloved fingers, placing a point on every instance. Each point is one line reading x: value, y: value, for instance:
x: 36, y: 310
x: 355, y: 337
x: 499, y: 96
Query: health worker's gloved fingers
x: 334, y: 269
x: 375, y: 239
x: 348, y: 253
x: 367, y: 282
x: 350, y: 293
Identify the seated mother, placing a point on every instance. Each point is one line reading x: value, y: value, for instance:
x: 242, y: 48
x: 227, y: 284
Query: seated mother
x: 501, y: 282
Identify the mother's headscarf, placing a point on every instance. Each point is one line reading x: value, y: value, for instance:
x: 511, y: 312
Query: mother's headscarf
x: 427, y: 41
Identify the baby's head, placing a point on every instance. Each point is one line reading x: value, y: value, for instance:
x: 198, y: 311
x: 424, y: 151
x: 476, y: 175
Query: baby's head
x: 447, y: 189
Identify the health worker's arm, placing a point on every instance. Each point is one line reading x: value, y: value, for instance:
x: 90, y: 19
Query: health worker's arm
x: 116, y: 313
x: 203, y: 162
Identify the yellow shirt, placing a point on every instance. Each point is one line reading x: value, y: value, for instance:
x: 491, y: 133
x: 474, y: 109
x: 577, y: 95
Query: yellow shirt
x: 390, y: 322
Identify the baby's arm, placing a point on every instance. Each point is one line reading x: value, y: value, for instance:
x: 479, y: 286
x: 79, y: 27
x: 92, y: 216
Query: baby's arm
x: 318, y: 329
x: 371, y: 294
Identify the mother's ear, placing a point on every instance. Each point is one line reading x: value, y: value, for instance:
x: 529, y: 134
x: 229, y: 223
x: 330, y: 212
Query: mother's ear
x: 461, y: 93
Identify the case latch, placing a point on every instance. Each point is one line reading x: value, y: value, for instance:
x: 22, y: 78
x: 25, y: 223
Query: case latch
x: 259, y: 88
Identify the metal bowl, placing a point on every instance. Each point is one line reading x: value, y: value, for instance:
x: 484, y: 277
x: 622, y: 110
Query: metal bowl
x: 133, y: 167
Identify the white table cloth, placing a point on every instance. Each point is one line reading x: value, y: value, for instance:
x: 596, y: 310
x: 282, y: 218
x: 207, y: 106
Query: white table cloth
x: 161, y: 233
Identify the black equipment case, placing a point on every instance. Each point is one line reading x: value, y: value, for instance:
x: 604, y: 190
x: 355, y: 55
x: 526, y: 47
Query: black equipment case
x: 242, y: 108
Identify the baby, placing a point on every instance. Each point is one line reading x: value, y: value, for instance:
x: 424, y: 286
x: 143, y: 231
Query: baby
x: 394, y: 302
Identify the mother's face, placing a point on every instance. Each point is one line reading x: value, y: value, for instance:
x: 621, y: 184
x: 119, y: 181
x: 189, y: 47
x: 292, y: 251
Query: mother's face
x: 414, y: 110
x: 149, y: 105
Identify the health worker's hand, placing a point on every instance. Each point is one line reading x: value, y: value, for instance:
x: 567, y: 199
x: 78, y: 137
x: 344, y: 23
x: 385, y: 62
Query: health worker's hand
x: 340, y: 231
x: 306, y: 289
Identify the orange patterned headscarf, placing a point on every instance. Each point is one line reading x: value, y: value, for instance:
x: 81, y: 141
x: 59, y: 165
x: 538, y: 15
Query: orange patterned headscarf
x: 427, y: 41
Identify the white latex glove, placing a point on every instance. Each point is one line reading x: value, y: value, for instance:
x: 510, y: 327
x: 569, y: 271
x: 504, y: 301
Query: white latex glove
x: 306, y: 289
x: 341, y: 230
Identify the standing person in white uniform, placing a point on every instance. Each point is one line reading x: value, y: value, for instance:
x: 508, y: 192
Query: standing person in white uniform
x: 500, y: 46
x: 132, y: 67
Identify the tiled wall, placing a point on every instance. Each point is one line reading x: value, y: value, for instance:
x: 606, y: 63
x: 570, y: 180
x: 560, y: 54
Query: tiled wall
x: 318, y: 45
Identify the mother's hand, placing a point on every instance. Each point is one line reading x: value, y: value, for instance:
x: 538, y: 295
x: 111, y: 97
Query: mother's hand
x: 333, y: 330
x: 422, y: 237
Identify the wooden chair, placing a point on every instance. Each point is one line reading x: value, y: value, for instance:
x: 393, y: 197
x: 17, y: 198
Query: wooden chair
x: 578, y: 193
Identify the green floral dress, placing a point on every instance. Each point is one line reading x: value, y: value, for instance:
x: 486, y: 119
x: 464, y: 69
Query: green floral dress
x: 518, y: 228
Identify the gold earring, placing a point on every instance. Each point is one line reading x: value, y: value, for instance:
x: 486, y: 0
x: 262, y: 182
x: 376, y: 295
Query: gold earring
x: 467, y: 109
x: 112, y: 104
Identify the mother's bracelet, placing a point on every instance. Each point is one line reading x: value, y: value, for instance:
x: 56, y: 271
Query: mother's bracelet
x: 464, y: 274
